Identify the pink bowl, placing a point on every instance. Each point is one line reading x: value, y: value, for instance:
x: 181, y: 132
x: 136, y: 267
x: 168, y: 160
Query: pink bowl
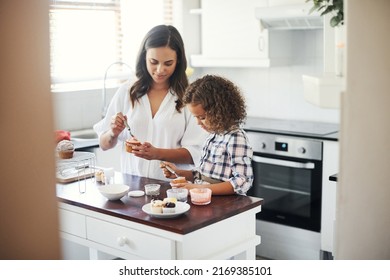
x: 200, y: 196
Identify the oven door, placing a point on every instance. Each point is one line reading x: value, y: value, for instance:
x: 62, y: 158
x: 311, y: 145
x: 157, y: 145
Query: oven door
x: 291, y: 189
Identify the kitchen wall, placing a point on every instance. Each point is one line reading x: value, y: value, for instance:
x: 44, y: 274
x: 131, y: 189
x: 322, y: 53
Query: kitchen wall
x: 271, y: 92
x: 275, y: 92
x: 79, y: 109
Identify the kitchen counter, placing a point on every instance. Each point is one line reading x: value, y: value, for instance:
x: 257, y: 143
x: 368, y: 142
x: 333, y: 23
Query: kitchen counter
x: 81, y: 145
x: 86, y: 138
x: 305, y: 129
x: 117, y: 227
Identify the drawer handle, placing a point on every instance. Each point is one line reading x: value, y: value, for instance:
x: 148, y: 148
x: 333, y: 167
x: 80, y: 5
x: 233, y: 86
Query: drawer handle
x: 122, y: 241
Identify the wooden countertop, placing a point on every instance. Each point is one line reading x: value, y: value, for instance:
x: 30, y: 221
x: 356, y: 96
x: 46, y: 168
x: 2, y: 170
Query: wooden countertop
x: 130, y: 208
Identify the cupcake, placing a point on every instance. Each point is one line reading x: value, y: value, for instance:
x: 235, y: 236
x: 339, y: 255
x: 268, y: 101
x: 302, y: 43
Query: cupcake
x: 65, y: 149
x: 169, y: 207
x: 130, y: 143
x: 156, y: 206
x: 179, y: 180
x: 99, y: 175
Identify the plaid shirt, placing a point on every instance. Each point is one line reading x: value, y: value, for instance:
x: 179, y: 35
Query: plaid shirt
x: 227, y: 157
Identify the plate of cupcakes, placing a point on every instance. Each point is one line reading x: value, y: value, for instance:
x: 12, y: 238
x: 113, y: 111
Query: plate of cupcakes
x: 167, y: 208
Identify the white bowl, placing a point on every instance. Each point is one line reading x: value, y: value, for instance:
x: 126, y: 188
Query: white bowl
x: 114, y: 191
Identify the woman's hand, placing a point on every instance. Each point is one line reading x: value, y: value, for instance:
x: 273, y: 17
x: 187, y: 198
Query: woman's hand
x: 117, y: 124
x: 146, y: 151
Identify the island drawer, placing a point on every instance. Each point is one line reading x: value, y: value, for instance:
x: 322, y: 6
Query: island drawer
x: 130, y: 240
x: 72, y: 223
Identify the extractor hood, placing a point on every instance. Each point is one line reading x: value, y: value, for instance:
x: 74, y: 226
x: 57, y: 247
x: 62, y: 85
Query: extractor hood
x: 291, y: 17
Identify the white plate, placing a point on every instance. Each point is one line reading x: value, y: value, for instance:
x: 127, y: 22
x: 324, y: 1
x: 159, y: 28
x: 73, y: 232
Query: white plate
x: 136, y: 193
x: 181, y: 208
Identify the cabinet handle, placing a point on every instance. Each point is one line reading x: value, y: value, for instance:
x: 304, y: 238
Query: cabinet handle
x: 122, y: 241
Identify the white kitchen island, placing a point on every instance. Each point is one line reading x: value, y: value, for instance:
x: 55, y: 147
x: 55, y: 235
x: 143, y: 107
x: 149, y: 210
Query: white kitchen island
x: 226, y: 228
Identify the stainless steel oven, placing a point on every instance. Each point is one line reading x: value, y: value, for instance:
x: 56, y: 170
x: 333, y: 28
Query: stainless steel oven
x: 288, y: 166
x: 288, y: 176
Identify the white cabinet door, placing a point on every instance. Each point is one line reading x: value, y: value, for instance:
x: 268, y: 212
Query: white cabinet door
x: 230, y: 35
x: 230, y: 29
x: 129, y: 240
x: 328, y: 211
x: 72, y: 223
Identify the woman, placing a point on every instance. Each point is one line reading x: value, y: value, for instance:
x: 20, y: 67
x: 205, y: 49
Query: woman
x: 226, y: 162
x: 153, y: 107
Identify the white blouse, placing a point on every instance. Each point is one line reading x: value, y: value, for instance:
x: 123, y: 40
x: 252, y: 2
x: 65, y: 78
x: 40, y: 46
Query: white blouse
x: 168, y: 129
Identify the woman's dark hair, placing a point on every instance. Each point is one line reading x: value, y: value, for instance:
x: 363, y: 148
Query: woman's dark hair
x: 221, y: 99
x: 161, y: 36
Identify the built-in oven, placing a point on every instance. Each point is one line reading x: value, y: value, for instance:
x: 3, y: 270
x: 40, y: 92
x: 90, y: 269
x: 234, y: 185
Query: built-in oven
x: 288, y: 176
x: 288, y: 167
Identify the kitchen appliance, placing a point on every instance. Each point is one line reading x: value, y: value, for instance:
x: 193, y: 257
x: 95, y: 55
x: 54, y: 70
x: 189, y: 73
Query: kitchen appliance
x: 289, y: 17
x: 287, y: 165
x: 288, y: 175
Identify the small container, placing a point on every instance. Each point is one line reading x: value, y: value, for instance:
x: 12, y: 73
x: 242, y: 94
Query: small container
x: 152, y: 189
x: 200, y: 196
x: 109, y: 176
x: 180, y: 194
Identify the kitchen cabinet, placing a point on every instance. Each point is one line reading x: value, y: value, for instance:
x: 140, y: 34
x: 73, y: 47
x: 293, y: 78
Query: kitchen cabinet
x: 232, y: 36
x: 130, y: 241
x: 328, y: 208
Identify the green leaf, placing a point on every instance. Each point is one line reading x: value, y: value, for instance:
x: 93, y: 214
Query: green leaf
x: 330, y: 6
x: 334, y: 21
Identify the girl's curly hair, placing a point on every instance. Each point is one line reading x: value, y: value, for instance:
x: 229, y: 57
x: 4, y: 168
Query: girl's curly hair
x: 221, y: 99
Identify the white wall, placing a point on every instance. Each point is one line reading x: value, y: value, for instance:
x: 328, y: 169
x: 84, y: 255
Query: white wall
x: 77, y: 110
x: 363, y: 191
x: 277, y: 92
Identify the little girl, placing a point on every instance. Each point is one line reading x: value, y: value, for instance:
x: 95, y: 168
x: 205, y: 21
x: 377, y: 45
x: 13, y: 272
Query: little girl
x: 225, y: 164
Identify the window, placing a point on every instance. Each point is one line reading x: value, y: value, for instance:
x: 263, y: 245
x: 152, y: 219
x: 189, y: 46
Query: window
x: 87, y: 36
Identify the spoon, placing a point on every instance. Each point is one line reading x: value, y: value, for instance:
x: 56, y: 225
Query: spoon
x: 128, y: 128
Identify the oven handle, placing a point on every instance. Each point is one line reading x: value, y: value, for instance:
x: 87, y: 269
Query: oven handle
x: 294, y: 164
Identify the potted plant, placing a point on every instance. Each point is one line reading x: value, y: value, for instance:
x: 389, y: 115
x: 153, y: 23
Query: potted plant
x: 336, y: 7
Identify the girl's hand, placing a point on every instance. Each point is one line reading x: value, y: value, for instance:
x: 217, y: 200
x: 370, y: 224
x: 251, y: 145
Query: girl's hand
x: 193, y: 186
x: 166, y: 172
